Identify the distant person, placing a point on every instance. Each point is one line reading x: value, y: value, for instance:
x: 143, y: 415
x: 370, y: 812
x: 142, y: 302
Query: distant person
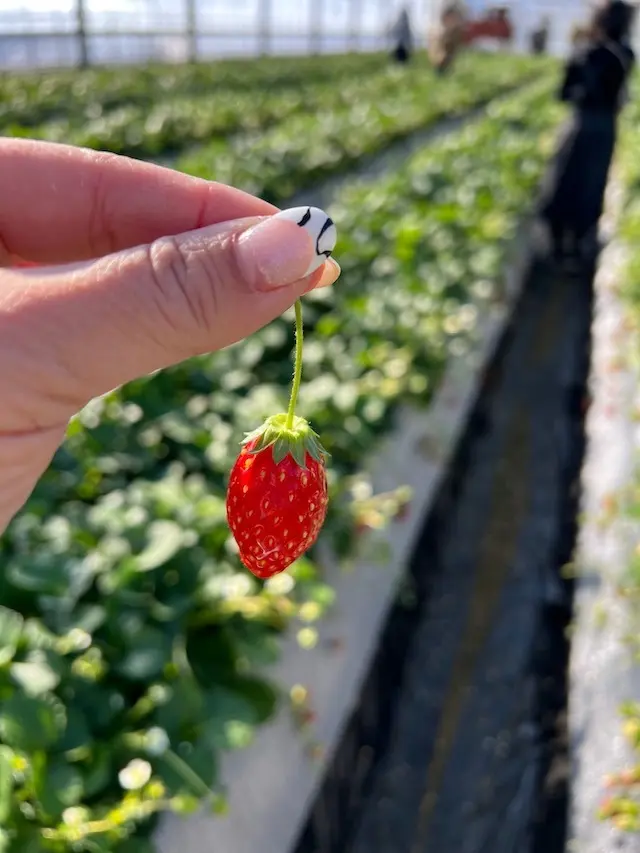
x: 402, y: 35
x: 447, y: 39
x: 595, y: 85
x: 540, y: 38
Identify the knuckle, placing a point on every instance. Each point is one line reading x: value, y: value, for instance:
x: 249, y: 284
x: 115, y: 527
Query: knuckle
x: 186, y: 285
x: 102, y: 238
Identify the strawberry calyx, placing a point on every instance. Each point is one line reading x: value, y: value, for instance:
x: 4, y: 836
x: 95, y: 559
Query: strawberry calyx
x: 286, y: 436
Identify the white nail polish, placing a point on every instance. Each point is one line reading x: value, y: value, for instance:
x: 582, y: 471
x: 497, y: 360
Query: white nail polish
x: 320, y: 228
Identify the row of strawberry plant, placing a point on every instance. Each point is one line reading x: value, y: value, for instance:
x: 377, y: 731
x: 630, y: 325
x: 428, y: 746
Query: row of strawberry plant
x: 175, y: 123
x: 336, y: 120
x: 131, y: 638
x: 176, y: 120
x: 35, y: 97
x: 307, y: 148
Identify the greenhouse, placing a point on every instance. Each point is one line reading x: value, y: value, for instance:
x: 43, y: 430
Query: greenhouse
x: 320, y: 370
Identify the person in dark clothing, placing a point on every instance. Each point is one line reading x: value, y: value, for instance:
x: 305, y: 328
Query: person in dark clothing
x: 402, y: 37
x: 540, y: 37
x: 595, y: 85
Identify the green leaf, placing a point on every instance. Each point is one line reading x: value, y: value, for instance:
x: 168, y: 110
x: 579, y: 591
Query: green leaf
x: 184, y: 710
x: 29, y: 723
x: 165, y: 539
x: 234, y: 709
x: 58, y: 786
x: 280, y: 450
x: 28, y: 840
x: 77, y: 734
x: 212, y: 654
x: 225, y: 703
x: 10, y: 630
x: 35, y: 677
x: 152, y: 650
x: 37, y: 635
x: 42, y: 573
x: 199, y: 758
x: 97, y: 771
x: 299, y: 454
x: 6, y: 783
x: 103, y: 706
x: 261, y: 695
x: 89, y: 618
x: 256, y: 647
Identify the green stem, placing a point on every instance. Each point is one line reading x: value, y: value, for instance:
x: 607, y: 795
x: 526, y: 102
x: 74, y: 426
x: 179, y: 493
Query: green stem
x: 297, y: 370
x: 188, y: 774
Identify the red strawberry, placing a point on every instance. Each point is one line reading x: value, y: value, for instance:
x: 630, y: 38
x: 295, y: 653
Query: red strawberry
x: 277, y: 495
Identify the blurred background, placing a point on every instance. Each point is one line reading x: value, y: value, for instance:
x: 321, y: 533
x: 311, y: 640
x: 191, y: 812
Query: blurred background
x: 41, y: 33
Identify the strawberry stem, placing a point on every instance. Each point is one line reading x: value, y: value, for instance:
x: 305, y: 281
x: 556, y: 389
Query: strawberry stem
x: 297, y: 370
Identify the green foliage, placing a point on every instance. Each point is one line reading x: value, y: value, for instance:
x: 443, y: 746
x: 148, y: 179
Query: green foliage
x: 132, y: 642
x: 308, y: 126
x: 80, y: 96
x: 310, y: 145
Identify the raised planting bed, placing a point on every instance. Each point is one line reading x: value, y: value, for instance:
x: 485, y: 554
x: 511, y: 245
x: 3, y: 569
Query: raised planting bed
x: 605, y: 677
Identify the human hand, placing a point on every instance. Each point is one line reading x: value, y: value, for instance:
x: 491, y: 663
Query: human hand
x: 116, y: 294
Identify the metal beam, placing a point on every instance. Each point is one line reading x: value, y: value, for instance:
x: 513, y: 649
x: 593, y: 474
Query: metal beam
x: 81, y: 33
x: 192, y: 30
x: 265, y: 22
x: 355, y: 23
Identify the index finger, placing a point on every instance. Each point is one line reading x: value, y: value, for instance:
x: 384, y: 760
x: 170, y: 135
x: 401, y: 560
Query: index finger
x: 60, y: 204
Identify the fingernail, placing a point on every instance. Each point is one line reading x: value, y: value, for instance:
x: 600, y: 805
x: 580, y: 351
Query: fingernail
x: 285, y: 247
x: 318, y: 226
x: 330, y: 274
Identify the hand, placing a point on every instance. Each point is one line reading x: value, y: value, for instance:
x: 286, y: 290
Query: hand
x: 139, y: 267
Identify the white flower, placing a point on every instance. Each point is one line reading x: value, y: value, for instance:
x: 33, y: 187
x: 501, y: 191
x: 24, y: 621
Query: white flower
x: 79, y: 639
x: 236, y: 586
x: 157, y: 741
x: 75, y: 815
x: 135, y: 775
x: 280, y: 584
x: 361, y: 490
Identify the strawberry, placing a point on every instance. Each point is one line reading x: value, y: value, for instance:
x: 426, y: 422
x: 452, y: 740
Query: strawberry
x: 277, y: 495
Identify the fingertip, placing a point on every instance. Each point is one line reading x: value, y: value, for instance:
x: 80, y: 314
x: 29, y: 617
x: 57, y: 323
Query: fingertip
x: 330, y: 273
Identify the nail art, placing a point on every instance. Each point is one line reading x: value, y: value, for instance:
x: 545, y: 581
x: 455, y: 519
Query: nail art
x: 319, y: 226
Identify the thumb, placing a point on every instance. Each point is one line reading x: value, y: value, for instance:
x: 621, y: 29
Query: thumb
x: 72, y: 333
